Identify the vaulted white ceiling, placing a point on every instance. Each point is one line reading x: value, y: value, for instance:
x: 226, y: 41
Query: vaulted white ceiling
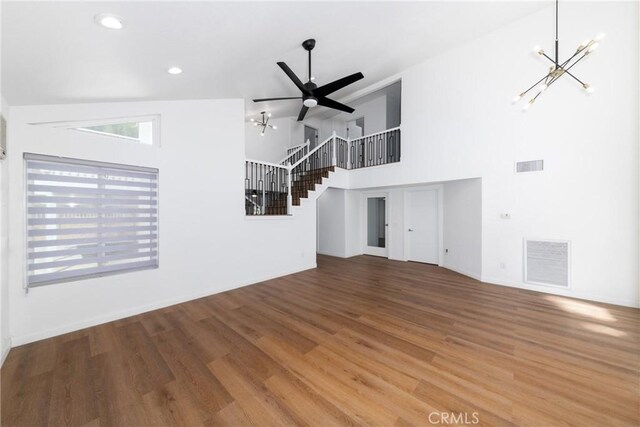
x: 53, y: 52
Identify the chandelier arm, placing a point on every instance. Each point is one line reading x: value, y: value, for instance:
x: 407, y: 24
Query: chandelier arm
x: 573, y: 77
x: 561, y: 67
x: 578, y: 51
x: 565, y: 62
x: 535, y: 84
x: 553, y: 79
x: 574, y: 64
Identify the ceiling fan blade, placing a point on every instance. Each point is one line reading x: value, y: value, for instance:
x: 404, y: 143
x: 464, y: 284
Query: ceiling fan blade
x: 276, y: 99
x: 303, y: 112
x: 337, y: 85
x: 293, y: 77
x: 330, y: 103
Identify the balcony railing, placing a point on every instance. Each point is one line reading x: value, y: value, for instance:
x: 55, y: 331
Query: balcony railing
x: 273, y: 188
x: 373, y: 150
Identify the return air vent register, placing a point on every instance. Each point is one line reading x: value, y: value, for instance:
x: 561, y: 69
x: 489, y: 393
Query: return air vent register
x: 546, y: 262
x: 530, y: 166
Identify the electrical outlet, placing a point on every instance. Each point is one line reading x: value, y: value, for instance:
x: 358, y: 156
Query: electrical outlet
x: 505, y: 215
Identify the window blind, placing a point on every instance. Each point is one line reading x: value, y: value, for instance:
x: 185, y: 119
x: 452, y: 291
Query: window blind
x: 88, y: 219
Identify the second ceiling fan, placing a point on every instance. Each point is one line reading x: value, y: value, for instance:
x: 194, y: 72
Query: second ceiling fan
x: 313, y: 95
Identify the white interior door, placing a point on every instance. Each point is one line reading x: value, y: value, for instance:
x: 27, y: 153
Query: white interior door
x: 376, y: 225
x: 422, y: 226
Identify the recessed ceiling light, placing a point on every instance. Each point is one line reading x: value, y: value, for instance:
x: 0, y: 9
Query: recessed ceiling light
x: 109, y: 21
x: 174, y: 70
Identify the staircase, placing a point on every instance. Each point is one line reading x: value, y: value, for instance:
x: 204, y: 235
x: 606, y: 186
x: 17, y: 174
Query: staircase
x: 300, y: 188
x: 274, y: 188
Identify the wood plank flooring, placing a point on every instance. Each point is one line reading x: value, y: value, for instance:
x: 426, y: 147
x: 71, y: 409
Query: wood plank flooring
x: 364, y: 341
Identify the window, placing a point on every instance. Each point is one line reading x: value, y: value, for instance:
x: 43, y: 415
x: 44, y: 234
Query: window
x: 141, y: 130
x: 88, y: 219
x: 134, y: 131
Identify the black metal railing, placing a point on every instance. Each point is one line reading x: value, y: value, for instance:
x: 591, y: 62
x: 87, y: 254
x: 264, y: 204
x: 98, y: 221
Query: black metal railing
x: 342, y: 153
x: 295, y: 154
x: 320, y: 158
x: 271, y: 189
x: 372, y: 150
x: 266, y: 188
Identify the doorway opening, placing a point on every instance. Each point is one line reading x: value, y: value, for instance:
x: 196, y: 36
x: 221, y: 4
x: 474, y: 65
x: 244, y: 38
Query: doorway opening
x: 311, y: 135
x: 376, y: 225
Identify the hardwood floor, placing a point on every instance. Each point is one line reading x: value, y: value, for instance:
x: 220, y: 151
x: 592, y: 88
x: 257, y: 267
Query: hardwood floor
x: 364, y: 341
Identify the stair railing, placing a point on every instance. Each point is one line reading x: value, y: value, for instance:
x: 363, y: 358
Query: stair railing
x: 317, y: 161
x: 295, y: 153
x: 266, y: 183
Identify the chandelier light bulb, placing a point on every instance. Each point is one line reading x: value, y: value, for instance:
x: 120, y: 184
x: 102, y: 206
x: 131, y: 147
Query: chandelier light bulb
x: 599, y: 37
x: 588, y: 88
x: 527, y: 105
x: 584, y: 44
x: 537, y: 49
x: 269, y: 115
x: 516, y: 98
x: 253, y: 120
x: 274, y: 127
x: 261, y: 133
x: 593, y: 47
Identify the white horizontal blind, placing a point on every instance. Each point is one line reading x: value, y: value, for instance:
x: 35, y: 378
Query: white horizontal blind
x: 87, y: 219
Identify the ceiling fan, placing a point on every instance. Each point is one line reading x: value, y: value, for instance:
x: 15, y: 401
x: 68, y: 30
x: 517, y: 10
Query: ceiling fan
x: 313, y: 95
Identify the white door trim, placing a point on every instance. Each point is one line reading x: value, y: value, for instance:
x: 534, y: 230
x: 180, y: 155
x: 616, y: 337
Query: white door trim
x: 439, y: 189
x: 367, y: 250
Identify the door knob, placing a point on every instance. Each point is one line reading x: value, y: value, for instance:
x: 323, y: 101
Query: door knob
x: 410, y: 229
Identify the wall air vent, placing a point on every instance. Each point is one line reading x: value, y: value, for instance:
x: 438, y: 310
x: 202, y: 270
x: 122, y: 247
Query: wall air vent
x: 546, y: 262
x: 530, y: 166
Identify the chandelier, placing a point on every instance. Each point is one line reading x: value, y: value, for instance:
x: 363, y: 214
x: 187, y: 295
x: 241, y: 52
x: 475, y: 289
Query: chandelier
x: 558, y: 69
x: 264, y: 122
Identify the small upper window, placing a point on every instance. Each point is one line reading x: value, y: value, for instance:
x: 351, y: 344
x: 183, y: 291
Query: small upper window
x: 136, y: 131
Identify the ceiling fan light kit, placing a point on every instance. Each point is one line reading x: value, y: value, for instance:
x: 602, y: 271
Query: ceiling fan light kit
x: 558, y: 69
x: 311, y: 94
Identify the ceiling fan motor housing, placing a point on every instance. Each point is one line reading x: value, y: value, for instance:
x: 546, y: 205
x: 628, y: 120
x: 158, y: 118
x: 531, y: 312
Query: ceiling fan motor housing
x: 309, y: 44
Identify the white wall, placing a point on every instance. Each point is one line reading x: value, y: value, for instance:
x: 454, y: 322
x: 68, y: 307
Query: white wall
x: 458, y: 123
x: 332, y: 223
x: 374, y: 112
x: 462, y: 226
x: 207, y: 244
x: 5, y: 341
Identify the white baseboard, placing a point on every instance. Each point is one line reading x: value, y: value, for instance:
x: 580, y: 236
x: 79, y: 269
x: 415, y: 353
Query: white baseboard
x: 464, y: 272
x: 37, y: 336
x: 6, y: 346
x: 330, y: 254
x: 563, y: 292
